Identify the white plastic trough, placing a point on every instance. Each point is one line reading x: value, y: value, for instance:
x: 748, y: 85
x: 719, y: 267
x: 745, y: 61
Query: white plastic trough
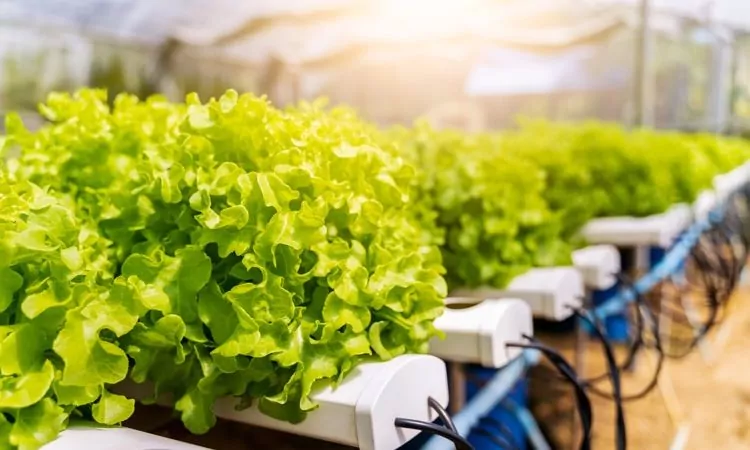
x: 550, y: 292
x: 479, y: 333
x: 729, y: 182
x: 92, y: 438
x: 599, y: 265
x: 360, y: 412
x: 706, y: 201
x: 658, y: 230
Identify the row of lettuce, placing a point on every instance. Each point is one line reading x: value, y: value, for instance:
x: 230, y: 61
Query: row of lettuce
x: 507, y: 201
x: 230, y: 248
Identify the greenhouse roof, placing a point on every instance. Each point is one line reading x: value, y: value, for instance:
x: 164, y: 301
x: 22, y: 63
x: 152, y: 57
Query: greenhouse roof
x: 224, y: 19
x: 139, y: 21
x: 389, y: 22
x: 306, y: 31
x: 730, y: 13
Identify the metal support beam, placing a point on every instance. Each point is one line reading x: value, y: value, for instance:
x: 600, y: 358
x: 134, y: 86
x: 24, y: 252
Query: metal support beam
x: 643, y: 106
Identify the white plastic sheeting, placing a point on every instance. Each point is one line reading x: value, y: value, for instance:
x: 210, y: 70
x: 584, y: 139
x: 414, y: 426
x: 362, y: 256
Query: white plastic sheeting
x: 61, y: 44
x: 140, y: 21
x: 398, y: 23
x: 207, y: 22
x: 734, y: 14
x: 693, y: 9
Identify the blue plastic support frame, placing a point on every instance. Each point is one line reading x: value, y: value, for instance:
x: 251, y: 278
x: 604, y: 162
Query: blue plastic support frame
x: 671, y: 264
x: 486, y: 400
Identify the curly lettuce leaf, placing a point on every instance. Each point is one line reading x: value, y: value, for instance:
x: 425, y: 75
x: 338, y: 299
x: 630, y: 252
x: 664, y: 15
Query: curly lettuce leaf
x: 251, y: 250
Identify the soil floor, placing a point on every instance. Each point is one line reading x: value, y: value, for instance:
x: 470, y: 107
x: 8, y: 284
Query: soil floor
x: 702, y: 401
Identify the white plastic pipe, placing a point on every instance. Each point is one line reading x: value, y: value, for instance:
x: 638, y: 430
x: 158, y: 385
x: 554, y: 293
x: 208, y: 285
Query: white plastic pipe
x: 550, y: 292
x: 92, y: 438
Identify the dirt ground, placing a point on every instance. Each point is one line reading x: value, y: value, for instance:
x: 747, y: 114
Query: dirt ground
x: 713, y: 388
x: 703, y: 401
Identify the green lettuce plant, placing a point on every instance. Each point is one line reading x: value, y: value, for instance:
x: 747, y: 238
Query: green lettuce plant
x: 499, y: 203
x: 596, y: 169
x: 490, y: 216
x: 246, y: 251
x: 61, y: 318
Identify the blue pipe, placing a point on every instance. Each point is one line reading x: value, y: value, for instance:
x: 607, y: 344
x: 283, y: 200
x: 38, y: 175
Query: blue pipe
x: 670, y: 265
x: 533, y: 432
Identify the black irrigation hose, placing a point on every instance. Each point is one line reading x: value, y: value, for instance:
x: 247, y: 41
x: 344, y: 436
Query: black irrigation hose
x: 702, y: 260
x: 709, y: 286
x: 499, y: 441
x: 637, y: 339
x: 566, y: 370
x: 719, y: 256
x: 720, y: 275
x: 720, y: 237
x: 447, y: 431
x: 738, y: 254
x: 690, y: 345
x: 459, y: 441
x: 709, y: 269
x: 643, y: 313
x: 442, y: 414
x: 720, y: 278
x: 621, y: 439
x: 506, y: 433
x: 738, y: 238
